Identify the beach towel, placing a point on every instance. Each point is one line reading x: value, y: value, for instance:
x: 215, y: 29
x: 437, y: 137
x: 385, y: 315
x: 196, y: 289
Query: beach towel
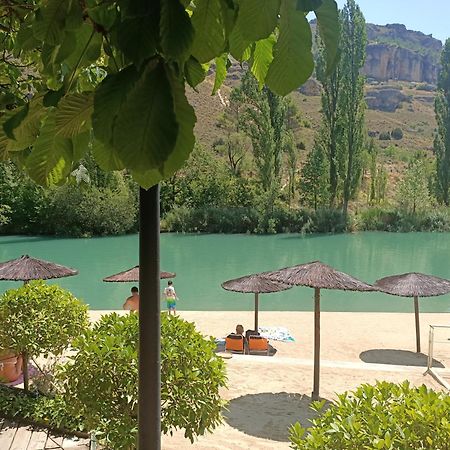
x: 276, y: 334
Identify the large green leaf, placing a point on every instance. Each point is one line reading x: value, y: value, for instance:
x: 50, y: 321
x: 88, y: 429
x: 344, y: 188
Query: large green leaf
x: 185, y: 141
x: 257, y: 18
x: 51, y: 158
x: 194, y: 72
x: 137, y: 37
x: 176, y: 31
x: 50, y: 18
x: 108, y: 98
x: 15, y: 120
x: 106, y: 156
x: 80, y: 145
x: 261, y: 59
x: 238, y: 44
x: 87, y: 50
x: 209, y: 26
x: 293, y: 61
x: 146, y: 129
x: 329, y: 29
x: 27, y: 131
x: 73, y: 114
x: 308, y: 5
x: 221, y: 71
x: 185, y: 116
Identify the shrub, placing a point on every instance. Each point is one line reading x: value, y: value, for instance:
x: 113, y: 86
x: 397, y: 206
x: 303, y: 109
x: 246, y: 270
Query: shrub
x: 384, y: 136
x: 101, y: 380
x: 301, y: 145
x: 397, y: 134
x: 384, y: 416
x: 38, y: 318
x: 39, y: 409
x: 328, y: 220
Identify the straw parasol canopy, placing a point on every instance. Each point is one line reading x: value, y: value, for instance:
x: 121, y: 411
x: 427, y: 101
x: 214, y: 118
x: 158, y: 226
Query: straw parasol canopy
x: 319, y: 276
x: 131, y: 275
x: 255, y: 284
x: 27, y: 268
x: 414, y: 285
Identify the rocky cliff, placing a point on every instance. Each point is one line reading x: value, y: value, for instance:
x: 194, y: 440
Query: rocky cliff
x: 395, y: 53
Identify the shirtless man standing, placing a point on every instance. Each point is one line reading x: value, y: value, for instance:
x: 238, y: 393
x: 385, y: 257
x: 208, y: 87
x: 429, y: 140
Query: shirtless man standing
x: 132, y: 302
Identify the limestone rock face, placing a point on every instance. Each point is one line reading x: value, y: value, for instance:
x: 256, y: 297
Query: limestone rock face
x: 385, y: 98
x: 395, y: 53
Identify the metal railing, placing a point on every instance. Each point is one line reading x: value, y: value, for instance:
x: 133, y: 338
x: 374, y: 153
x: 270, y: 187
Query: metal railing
x: 431, y: 341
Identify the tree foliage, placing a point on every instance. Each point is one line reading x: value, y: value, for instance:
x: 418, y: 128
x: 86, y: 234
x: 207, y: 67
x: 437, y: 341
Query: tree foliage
x: 352, y: 103
x: 442, y: 137
x: 121, y: 67
x: 343, y: 105
x: 39, y: 319
x: 314, y: 179
x: 100, y: 381
x: 414, y: 195
x: 383, y: 416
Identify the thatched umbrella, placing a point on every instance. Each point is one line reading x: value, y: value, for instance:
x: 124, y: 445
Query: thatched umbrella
x: 255, y: 284
x: 130, y: 275
x: 414, y: 285
x: 26, y: 269
x: 318, y: 276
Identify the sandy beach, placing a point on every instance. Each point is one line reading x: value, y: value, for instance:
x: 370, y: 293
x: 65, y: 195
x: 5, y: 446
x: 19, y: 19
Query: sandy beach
x: 267, y: 394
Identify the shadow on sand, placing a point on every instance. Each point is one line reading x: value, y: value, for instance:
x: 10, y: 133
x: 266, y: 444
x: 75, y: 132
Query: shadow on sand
x: 397, y: 357
x: 268, y: 415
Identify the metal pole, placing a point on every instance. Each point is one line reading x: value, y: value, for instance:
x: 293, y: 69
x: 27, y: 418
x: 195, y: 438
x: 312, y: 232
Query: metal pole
x: 256, y: 311
x: 416, y: 312
x: 430, y: 348
x: 149, y: 322
x: 315, y: 392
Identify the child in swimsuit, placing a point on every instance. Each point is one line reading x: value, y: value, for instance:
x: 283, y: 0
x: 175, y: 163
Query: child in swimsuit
x: 171, y: 298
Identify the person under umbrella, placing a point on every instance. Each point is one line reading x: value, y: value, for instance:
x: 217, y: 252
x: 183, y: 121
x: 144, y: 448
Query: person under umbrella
x: 319, y: 276
x: 414, y: 285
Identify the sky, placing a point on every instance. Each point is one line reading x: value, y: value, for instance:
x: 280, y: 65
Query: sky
x: 430, y: 17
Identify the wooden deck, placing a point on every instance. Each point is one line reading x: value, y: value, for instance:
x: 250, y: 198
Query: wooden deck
x: 22, y: 437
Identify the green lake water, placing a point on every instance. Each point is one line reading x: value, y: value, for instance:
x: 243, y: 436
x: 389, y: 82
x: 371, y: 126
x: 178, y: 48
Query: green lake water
x: 202, y: 262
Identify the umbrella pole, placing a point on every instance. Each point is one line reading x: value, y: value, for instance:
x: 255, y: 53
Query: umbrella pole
x: 416, y: 313
x: 256, y: 311
x: 149, y: 322
x: 315, y: 392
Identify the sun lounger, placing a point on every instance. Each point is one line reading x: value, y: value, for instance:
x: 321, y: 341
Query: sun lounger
x: 258, y: 344
x: 235, y: 343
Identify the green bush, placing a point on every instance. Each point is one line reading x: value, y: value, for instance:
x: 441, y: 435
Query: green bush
x: 328, y: 220
x: 40, y: 319
x: 107, y: 205
x: 100, y: 382
x: 384, y: 416
x: 397, y: 134
x: 39, y: 409
x: 384, y: 136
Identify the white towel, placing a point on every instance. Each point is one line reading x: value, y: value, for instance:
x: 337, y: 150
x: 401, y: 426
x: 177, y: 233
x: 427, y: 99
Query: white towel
x: 276, y: 334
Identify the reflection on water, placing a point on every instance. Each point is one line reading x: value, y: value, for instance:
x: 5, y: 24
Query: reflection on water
x: 202, y: 262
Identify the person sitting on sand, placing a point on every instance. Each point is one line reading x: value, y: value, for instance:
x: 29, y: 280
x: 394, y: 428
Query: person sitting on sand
x: 240, y: 330
x: 132, y: 302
